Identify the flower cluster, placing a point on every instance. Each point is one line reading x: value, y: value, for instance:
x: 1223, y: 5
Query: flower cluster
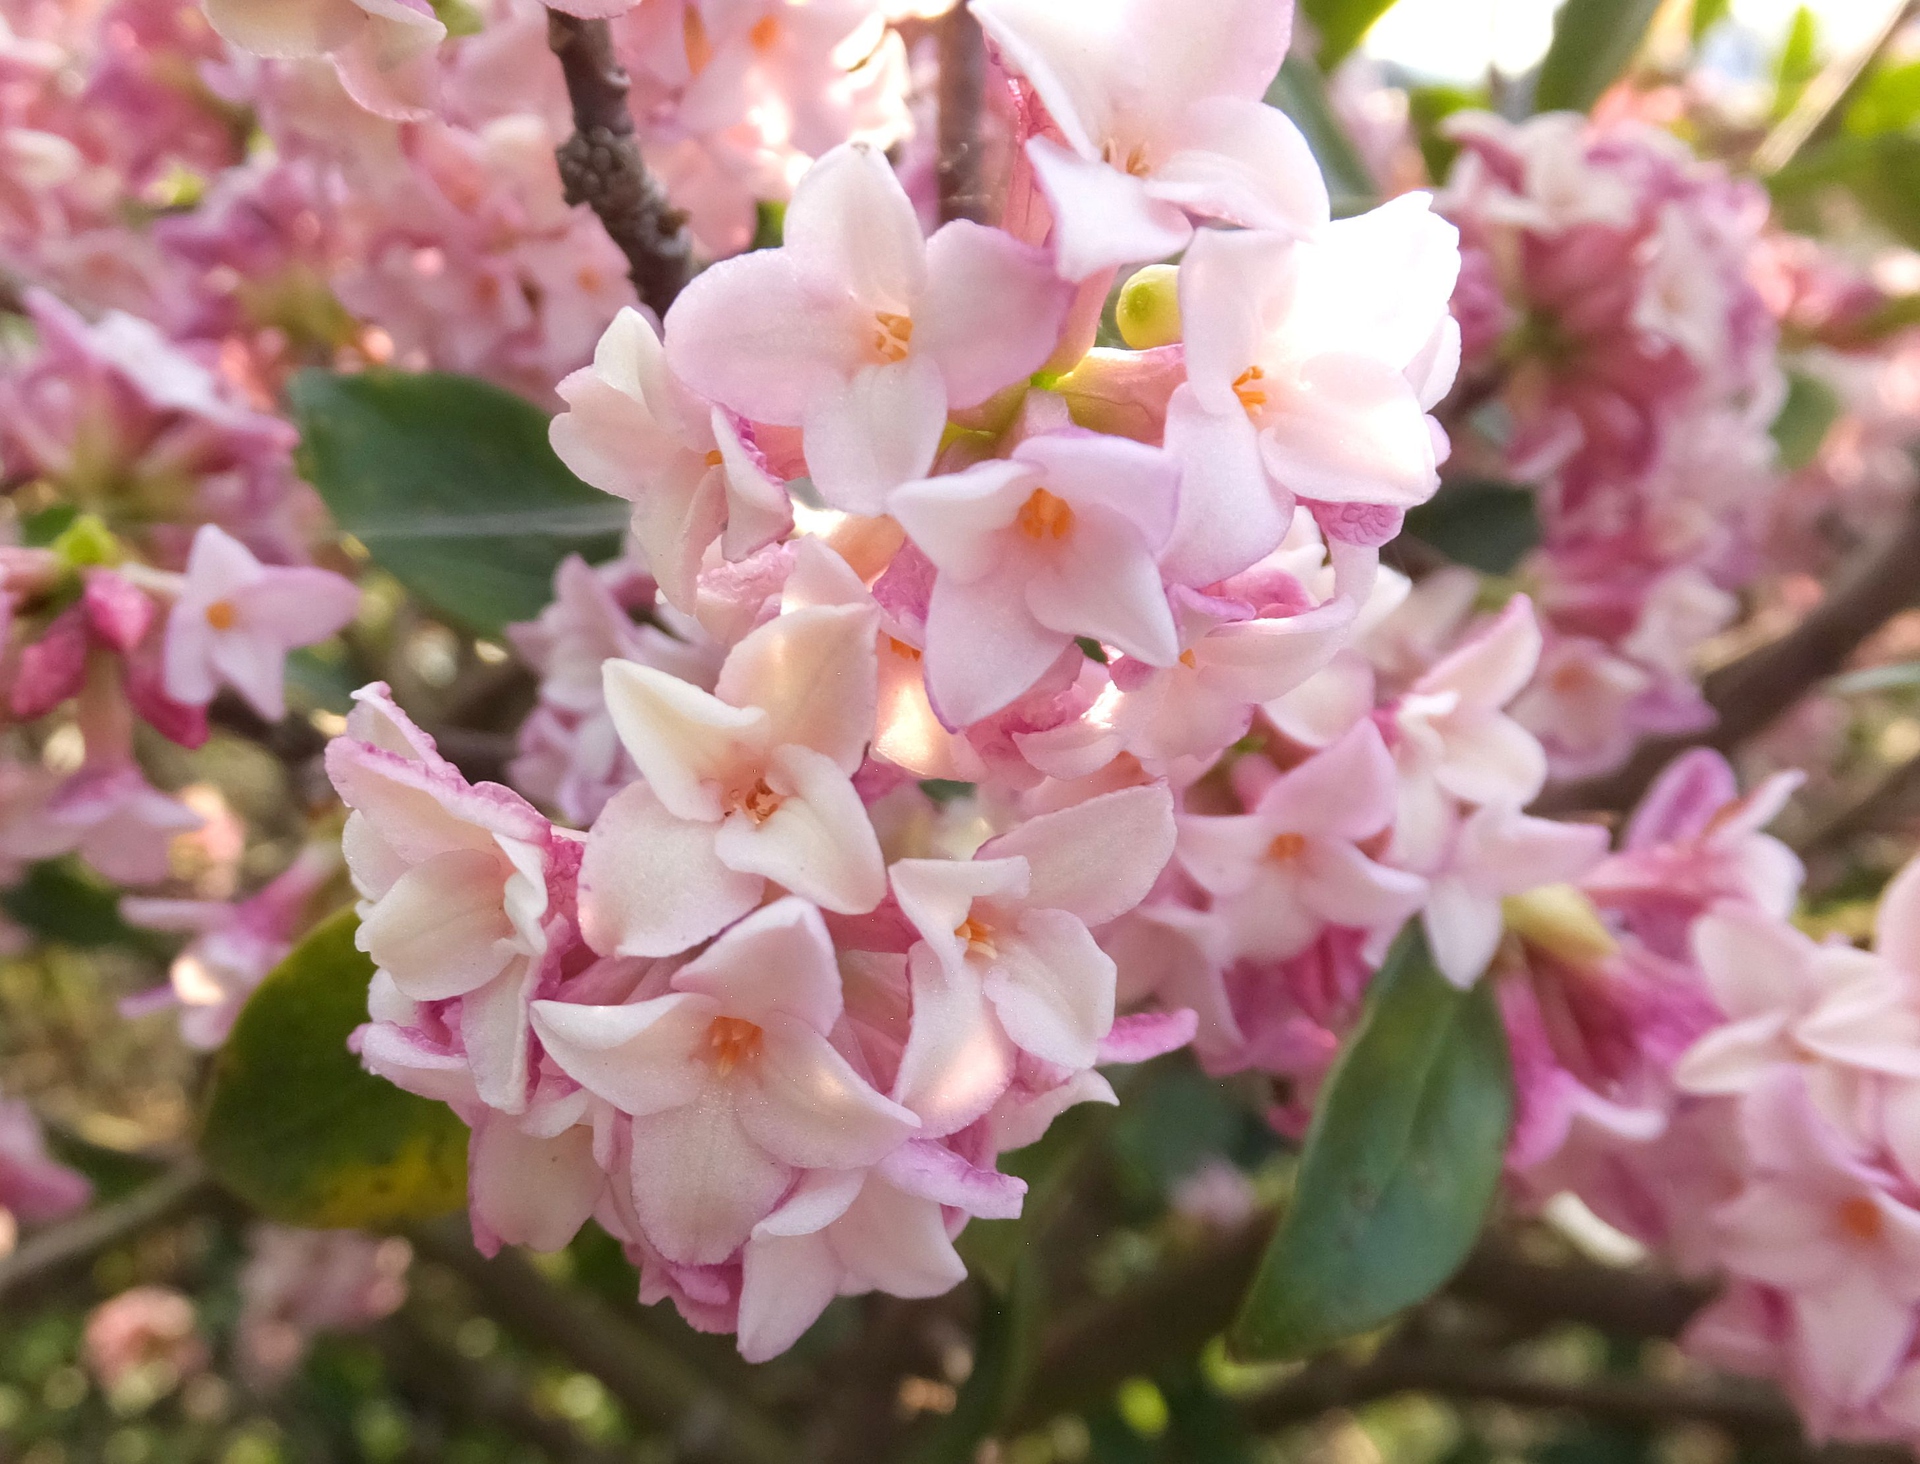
x: 1606, y: 300
x: 901, y: 749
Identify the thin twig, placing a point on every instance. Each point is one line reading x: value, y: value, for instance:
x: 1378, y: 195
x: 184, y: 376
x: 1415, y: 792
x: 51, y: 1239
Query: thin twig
x: 76, y: 1242
x: 1896, y: 796
x: 963, y: 78
x: 1822, y: 98
x: 600, y: 164
x: 1752, y: 1413
x: 1751, y: 692
x: 651, y: 1381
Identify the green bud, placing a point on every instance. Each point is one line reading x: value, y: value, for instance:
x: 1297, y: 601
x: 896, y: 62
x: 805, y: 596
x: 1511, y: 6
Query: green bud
x: 1148, y: 311
x: 87, y: 542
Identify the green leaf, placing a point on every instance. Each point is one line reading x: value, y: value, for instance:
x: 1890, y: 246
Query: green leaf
x: 1594, y: 41
x: 450, y: 484
x: 298, y: 1129
x: 1479, y: 522
x: 1342, y: 24
x: 1798, y: 62
x: 1810, y: 409
x: 1400, y: 1166
x: 1301, y: 93
x: 1882, y: 173
x: 1888, y: 101
x: 62, y: 900
x: 1427, y: 108
x: 1706, y: 15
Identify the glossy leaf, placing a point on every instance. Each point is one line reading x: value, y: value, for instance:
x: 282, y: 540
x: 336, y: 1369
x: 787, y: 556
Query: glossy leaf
x: 1400, y: 1166
x: 1594, y: 41
x: 62, y: 900
x: 1810, y: 409
x: 450, y: 484
x: 1342, y: 25
x: 1481, y: 523
x: 297, y: 1128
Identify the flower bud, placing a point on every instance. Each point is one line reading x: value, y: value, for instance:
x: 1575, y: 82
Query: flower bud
x: 1561, y: 921
x: 1148, y: 311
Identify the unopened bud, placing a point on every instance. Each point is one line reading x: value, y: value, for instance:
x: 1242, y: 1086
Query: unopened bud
x: 1148, y: 311
x: 87, y: 542
x: 1561, y: 921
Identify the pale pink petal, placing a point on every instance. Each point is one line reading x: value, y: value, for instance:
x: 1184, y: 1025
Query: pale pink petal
x: 810, y: 1108
x: 992, y: 310
x: 1869, y: 1024
x: 1105, y: 585
x: 686, y: 742
x: 1222, y: 854
x: 1347, y: 791
x: 532, y: 1191
x: 934, y: 1172
x: 984, y: 646
x: 1132, y: 481
x: 957, y: 1061
x: 1052, y: 988
x: 812, y: 671
x: 1102, y: 217
x: 1379, y: 285
x: 1246, y: 163
x: 700, y: 1184
x: 1097, y: 859
x: 652, y: 884
x: 642, y: 1058
x: 1232, y: 284
x: 875, y: 431
x: 1463, y: 930
x: 957, y: 519
x: 1754, y: 966
x: 1853, y: 1336
x: 441, y: 931
x: 1147, y: 1035
x: 895, y: 1242
x: 298, y: 606
x: 1507, y: 853
x: 851, y: 227
x: 786, y: 1281
x: 286, y: 29
x: 758, y: 509
x: 1731, y: 1059
x: 1491, y: 759
x: 494, y: 1025
x: 1897, y: 926
x: 936, y: 895
x: 1228, y: 517
x: 818, y: 843
x: 1352, y: 431
x: 1493, y: 667
x: 1345, y: 887
x: 779, y: 959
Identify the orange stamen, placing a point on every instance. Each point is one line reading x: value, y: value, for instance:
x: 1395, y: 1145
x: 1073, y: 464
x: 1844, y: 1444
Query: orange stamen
x: 1245, y: 388
x: 1044, y: 516
x: 1286, y: 846
x: 222, y: 616
x: 893, y: 337
x: 1860, y: 1218
x: 732, y: 1041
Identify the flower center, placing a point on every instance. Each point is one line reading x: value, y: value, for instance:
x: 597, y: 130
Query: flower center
x: 758, y: 803
x: 715, y: 458
x: 765, y: 32
x: 1860, y: 1219
x: 1133, y: 160
x: 892, y: 335
x: 977, y: 934
x: 1189, y: 660
x: 222, y: 616
x: 1286, y: 847
x: 901, y: 649
x: 732, y: 1041
x: 1044, y: 516
x: 1246, y: 386
x: 699, y: 47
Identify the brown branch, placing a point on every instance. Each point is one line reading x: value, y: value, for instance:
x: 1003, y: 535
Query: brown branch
x: 600, y: 165
x: 960, y: 169
x: 650, y: 1381
x: 1622, y: 1302
x: 1751, y: 692
x: 1751, y: 1413
x: 73, y: 1244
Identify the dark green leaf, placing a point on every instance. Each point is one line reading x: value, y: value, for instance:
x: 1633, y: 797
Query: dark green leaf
x: 1342, y: 24
x: 62, y: 900
x: 1427, y: 108
x: 1882, y: 173
x: 945, y: 790
x: 1594, y: 41
x: 1798, y: 62
x: 450, y: 484
x: 1091, y: 648
x: 1810, y: 409
x: 1481, y: 523
x: 41, y: 529
x: 297, y: 1128
x: 1400, y: 1166
x: 1300, y: 92
x: 769, y: 224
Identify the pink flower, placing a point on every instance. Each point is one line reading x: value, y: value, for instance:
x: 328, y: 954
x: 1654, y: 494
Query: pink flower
x: 1497, y: 852
x: 144, y: 1341
x: 863, y: 333
x: 1330, y: 352
x: 632, y: 430
x: 1159, y: 106
x: 299, y: 1283
x: 382, y: 48
x: 1290, y: 866
x: 111, y: 817
x: 1007, y: 957
x: 34, y: 1186
x: 457, y: 886
x: 745, y: 785
x: 731, y: 1081
x: 236, y: 619
x: 1821, y: 1226
x: 1054, y: 542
